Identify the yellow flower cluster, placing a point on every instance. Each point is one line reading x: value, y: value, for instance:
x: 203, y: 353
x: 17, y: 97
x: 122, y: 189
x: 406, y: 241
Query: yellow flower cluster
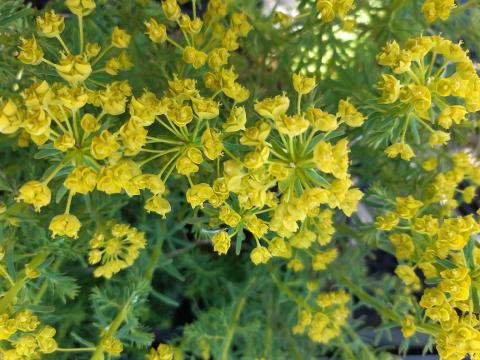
x: 434, y: 84
x: 435, y: 244
x: 437, y: 9
x: 329, y: 9
x: 115, y: 249
x: 326, y: 321
x: 162, y: 352
x: 26, y: 337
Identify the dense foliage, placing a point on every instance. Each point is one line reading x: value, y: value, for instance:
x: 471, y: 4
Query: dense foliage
x: 207, y: 179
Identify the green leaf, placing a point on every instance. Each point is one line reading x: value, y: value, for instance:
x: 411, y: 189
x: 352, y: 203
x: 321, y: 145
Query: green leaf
x: 164, y: 298
x: 239, y: 240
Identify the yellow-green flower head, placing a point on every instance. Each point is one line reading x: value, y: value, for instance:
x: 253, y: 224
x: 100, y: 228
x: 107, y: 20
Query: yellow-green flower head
x: 158, y: 204
x: 81, y: 7
x: 162, y: 352
x: 171, y: 9
x: 437, y: 9
x: 240, y: 24
x: 104, y: 145
x: 260, y: 255
x: 212, y: 144
x: 389, y: 85
x: 10, y: 117
x: 332, y: 159
x: 407, y: 207
x: 303, y: 84
x: 221, y: 242
x: 236, y: 120
x: 402, y: 149
x: 278, y: 247
x: 81, y: 180
x: 65, y: 225
x: 217, y: 58
x: 198, y: 194
x: 271, y: 108
x: 325, y: 8
x: 74, y: 68
x: 179, y: 114
x: 72, y: 98
x: 64, y: 142
x: 349, y: 114
x: 120, y: 38
x: 291, y: 125
x: 50, y: 25
x: 89, y: 123
x: 194, y: 57
x: 321, y: 120
x: 190, y: 26
x: 30, y: 52
x: 155, y: 31
x: 205, y: 109
x: 92, y: 50
x: 35, y: 193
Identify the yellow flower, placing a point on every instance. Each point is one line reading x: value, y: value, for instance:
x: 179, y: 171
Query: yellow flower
x: 30, y: 52
x: 407, y: 207
x: 271, y: 108
x: 64, y: 142
x: 120, y: 38
x: 89, y: 123
x: 402, y: 149
x: 198, y: 194
x: 325, y: 8
x: 74, y: 68
x: 321, y: 260
x: 390, y: 87
x: 36, y: 193
x: 10, y: 117
x: 437, y: 9
x: 236, y: 120
x: 408, y: 276
x: 112, y: 346
x: 65, y: 225
x: 408, y: 326
x: 217, y: 58
x: 229, y: 216
x: 80, y: 7
x: 278, y: 247
x: 179, y: 114
x: 321, y: 120
x: 171, y: 9
x: 221, y: 242
x: 205, y: 109
x: 50, y: 25
x: 163, y: 352
x: 72, y: 98
x: 81, y: 180
x: 387, y: 221
x: 438, y: 138
x: 212, y: 144
x: 103, y: 145
x: 303, y: 84
x: 158, y: 204
x: 260, y: 255
x: 92, y: 50
x: 349, y: 114
x: 291, y: 125
x: 194, y: 57
x: 332, y: 159
x: 155, y: 31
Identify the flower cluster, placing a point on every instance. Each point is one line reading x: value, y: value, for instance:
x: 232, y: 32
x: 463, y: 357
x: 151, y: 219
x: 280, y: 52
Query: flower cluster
x: 115, y: 249
x: 435, y: 244
x: 327, y: 319
x: 434, y: 85
x: 437, y: 9
x: 329, y: 9
x: 26, y: 337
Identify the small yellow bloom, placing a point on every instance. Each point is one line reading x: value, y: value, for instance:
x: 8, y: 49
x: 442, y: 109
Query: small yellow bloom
x: 402, y: 149
x: 303, y: 84
x: 120, y: 38
x: 103, y: 145
x: 221, y: 242
x: 30, y: 52
x: 50, y: 25
x: 155, y: 31
x: 36, y: 193
x: 65, y: 225
x: 260, y: 255
x: 81, y: 7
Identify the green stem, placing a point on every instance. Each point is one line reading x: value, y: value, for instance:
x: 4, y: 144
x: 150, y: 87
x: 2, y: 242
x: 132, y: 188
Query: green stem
x: 80, y: 29
x: 235, y: 318
x: 9, y: 297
